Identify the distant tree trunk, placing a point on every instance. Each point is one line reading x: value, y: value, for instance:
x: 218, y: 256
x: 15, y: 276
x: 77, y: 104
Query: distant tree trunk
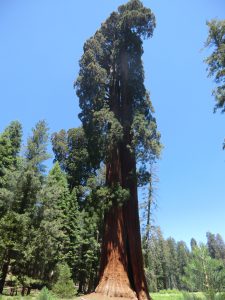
x: 90, y: 283
x: 149, y: 208
x: 4, y: 272
x: 23, y: 290
x: 81, y: 283
x: 28, y: 290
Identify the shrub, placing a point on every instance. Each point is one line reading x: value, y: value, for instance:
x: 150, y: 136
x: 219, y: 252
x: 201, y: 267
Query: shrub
x: 45, y: 294
x: 220, y: 296
x: 215, y: 296
x: 64, y: 286
x: 192, y: 296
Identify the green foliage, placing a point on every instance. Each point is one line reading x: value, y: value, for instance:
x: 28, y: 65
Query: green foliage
x: 204, y: 273
x: 45, y: 294
x: 215, y: 246
x: 71, y: 151
x: 64, y: 286
x: 165, y: 262
x: 112, y: 131
x: 84, y: 207
x: 20, y: 196
x: 110, y: 195
x: 156, y: 261
x: 10, y: 143
x: 220, y: 296
x: 192, y: 296
x: 36, y: 147
x: 216, y: 61
x: 183, y: 256
x: 110, y: 86
x: 145, y: 135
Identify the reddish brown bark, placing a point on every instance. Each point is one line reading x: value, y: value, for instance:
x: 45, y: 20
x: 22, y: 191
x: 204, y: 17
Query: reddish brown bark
x: 131, y: 218
x: 121, y: 270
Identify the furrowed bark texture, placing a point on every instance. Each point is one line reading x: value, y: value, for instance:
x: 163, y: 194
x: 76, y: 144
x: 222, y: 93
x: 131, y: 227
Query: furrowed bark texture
x: 121, y: 269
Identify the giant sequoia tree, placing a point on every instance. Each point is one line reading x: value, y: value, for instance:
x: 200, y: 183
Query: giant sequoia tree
x: 117, y: 117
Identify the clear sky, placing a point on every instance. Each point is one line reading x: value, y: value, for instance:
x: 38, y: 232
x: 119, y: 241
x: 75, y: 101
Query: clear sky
x: 40, y: 45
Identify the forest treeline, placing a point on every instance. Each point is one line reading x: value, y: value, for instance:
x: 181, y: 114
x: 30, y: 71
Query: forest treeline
x: 55, y: 218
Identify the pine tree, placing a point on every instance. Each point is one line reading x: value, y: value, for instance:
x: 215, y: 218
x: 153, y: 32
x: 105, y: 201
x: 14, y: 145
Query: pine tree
x: 64, y: 286
x: 21, y: 218
x: 10, y: 143
x: 158, y: 263
x: 193, y: 244
x: 149, y: 204
x: 215, y: 245
x: 50, y: 237
x: 220, y: 247
x: 70, y: 149
x: 173, y: 269
x: 183, y: 256
x: 118, y: 120
x: 151, y: 263
x: 204, y: 273
x: 216, y: 61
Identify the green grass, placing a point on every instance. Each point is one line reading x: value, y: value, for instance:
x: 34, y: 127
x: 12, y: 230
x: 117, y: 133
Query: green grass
x: 176, y: 295
x: 170, y: 296
x: 163, y: 295
x: 184, y: 296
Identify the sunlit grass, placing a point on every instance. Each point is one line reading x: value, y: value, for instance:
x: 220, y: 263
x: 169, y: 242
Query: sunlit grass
x: 155, y: 296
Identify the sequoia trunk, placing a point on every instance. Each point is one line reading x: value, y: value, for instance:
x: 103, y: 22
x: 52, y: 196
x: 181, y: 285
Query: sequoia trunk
x: 121, y: 270
x: 114, y: 279
x: 131, y: 217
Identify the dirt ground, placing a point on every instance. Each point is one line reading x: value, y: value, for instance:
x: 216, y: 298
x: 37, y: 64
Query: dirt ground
x: 95, y: 296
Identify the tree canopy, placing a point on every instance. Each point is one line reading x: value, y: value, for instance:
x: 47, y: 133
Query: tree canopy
x: 216, y: 61
x: 111, y: 70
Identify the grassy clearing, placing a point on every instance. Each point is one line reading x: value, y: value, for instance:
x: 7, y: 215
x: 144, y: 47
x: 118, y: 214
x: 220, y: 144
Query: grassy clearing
x: 185, y: 296
x: 155, y: 296
x: 170, y: 296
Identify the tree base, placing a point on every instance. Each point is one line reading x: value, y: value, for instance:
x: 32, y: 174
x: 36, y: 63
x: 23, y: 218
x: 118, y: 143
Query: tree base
x: 115, y: 289
x: 98, y: 296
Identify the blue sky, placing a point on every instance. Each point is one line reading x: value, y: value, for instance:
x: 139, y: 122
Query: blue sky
x: 40, y: 45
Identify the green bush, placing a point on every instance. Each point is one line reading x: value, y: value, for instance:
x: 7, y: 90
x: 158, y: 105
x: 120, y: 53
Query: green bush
x: 64, y: 286
x: 45, y: 294
x: 191, y: 296
x: 220, y: 296
x: 215, y: 296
